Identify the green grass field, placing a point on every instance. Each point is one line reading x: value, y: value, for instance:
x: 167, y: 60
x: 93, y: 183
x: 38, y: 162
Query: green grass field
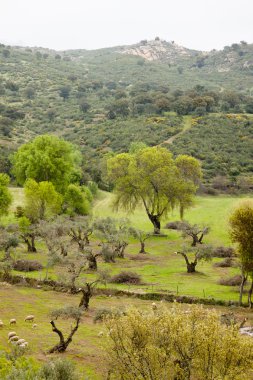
x: 161, y: 270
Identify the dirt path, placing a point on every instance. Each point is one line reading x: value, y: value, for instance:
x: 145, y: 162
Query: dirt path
x: 187, y: 126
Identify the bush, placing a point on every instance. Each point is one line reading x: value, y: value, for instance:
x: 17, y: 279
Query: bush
x: 27, y: 265
x: 177, y: 225
x: 177, y: 343
x: 102, y: 313
x: 58, y: 369
x: 225, y: 263
x: 223, y: 252
x: 126, y: 278
x: 232, y: 281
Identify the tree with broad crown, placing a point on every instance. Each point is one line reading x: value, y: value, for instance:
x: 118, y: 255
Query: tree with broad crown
x: 47, y: 158
x: 241, y: 232
x: 151, y: 177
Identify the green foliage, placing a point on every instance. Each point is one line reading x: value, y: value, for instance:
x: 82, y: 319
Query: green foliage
x: 46, y: 158
x: 58, y: 369
x: 5, y: 195
x: 177, y: 344
x: 241, y: 232
x: 41, y: 201
x: 153, y: 178
x: 77, y: 200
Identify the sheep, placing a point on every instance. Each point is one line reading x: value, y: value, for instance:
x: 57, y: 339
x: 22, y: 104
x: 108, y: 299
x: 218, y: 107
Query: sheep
x: 154, y: 306
x: 29, y: 318
x: 11, y: 333
x: 20, y: 341
x: 14, y: 339
x: 13, y: 321
x: 23, y: 345
x: 100, y: 334
x: 1, y: 324
x: 34, y: 326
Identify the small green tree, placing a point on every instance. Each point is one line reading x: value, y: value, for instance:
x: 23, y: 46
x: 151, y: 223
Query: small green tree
x: 76, y: 201
x: 64, y: 92
x: 41, y: 200
x: 241, y: 232
x: 142, y: 236
x: 194, y: 255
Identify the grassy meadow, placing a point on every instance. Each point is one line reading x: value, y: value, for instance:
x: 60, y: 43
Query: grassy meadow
x: 161, y: 270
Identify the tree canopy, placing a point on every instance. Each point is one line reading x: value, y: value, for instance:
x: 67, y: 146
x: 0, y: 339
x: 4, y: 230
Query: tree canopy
x: 152, y: 177
x: 41, y: 200
x: 5, y: 195
x: 47, y: 158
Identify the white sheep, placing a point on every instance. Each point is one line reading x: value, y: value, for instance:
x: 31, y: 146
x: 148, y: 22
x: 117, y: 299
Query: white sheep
x: 100, y: 334
x: 29, y: 318
x: 14, y: 339
x: 20, y: 341
x: 23, y: 345
x: 1, y: 324
x: 154, y: 306
x: 11, y: 333
x: 13, y: 321
x: 34, y: 326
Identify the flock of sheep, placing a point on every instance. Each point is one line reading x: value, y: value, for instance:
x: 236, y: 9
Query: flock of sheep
x: 13, y: 338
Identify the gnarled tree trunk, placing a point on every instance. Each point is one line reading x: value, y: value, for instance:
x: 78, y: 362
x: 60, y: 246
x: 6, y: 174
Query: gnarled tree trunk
x: 63, y: 344
x: 244, y: 279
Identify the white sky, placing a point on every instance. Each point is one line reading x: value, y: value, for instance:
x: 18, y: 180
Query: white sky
x: 91, y: 24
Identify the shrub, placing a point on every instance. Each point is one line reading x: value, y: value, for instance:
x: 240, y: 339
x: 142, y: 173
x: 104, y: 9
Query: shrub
x: 225, y: 263
x: 177, y: 343
x: 232, y: 281
x: 59, y: 369
x: 126, y: 277
x: 102, y: 313
x: 223, y: 252
x: 176, y: 225
x: 27, y: 265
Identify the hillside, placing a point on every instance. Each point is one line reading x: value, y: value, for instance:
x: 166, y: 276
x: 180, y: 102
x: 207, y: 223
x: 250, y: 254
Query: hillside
x: 102, y: 100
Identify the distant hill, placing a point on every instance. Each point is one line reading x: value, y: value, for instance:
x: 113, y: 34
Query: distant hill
x: 104, y: 99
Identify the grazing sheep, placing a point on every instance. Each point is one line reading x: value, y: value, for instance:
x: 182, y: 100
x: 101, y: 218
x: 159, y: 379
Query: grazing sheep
x: 100, y: 334
x: 13, y: 321
x: 11, y: 333
x: 23, y: 345
x: 154, y: 306
x: 14, y: 338
x: 20, y: 341
x: 1, y: 324
x: 34, y: 326
x: 29, y: 318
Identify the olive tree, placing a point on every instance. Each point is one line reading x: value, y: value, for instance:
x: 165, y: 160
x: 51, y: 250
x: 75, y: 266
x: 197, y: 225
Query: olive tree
x: 65, y: 313
x: 194, y: 255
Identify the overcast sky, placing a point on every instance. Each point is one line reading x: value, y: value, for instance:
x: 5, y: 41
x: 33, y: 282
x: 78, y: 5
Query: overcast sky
x: 91, y: 24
